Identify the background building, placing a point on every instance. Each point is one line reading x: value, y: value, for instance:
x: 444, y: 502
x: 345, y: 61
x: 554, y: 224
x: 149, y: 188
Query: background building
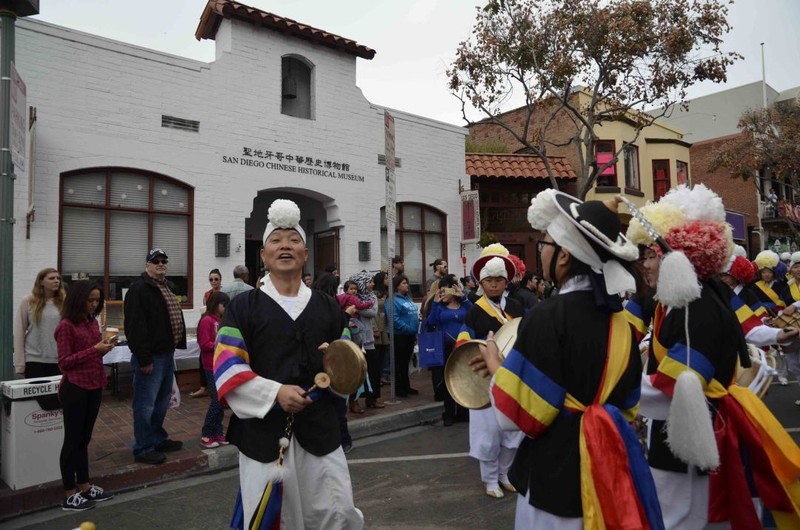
x: 648, y: 165
x: 711, y: 121
x: 135, y: 149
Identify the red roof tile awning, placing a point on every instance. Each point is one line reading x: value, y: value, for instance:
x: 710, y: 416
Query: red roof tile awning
x: 217, y: 10
x: 516, y: 166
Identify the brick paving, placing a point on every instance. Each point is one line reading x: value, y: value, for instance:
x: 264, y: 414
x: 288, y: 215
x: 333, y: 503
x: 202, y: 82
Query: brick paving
x: 110, y: 453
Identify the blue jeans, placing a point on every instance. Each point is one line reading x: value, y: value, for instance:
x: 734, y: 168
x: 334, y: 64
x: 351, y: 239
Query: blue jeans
x: 212, y: 426
x: 151, y: 393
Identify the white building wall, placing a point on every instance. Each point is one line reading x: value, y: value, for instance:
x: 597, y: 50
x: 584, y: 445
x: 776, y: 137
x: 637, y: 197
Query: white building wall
x: 100, y: 102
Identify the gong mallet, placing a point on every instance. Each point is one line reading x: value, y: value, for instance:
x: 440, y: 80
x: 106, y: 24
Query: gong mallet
x: 321, y: 380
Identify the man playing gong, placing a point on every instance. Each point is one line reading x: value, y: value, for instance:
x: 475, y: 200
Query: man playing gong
x: 292, y: 470
x: 571, y: 382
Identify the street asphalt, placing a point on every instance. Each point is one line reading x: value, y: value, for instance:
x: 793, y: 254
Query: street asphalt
x: 418, y: 478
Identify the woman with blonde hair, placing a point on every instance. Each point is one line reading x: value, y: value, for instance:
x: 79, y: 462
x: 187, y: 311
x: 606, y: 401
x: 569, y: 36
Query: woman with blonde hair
x: 35, y: 351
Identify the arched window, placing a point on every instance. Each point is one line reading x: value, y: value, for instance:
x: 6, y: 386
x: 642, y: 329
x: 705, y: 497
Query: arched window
x: 421, y: 237
x: 111, y: 217
x: 296, y: 88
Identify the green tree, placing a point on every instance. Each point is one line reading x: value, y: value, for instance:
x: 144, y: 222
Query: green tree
x: 623, y: 54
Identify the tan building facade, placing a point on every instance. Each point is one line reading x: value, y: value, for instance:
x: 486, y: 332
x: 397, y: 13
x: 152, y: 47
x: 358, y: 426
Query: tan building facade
x: 647, y: 164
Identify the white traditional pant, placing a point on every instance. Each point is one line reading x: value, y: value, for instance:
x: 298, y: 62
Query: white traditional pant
x: 491, y: 445
x: 317, y: 492
x: 684, y: 500
x: 529, y: 518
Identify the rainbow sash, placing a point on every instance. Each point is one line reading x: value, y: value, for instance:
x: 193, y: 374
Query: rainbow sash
x: 776, y: 302
x: 467, y: 333
x: 617, y: 490
x: 794, y: 290
x: 635, y: 314
x: 742, y: 424
x: 267, y: 515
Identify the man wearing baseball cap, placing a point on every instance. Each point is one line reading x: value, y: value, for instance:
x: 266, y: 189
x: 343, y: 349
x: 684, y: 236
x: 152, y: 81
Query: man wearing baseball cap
x: 154, y: 327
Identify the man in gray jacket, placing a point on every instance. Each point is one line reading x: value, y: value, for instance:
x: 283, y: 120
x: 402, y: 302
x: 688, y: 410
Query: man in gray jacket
x: 239, y: 285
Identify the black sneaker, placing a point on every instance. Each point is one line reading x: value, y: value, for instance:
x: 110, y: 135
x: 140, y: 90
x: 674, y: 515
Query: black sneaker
x: 97, y: 494
x: 169, y: 446
x: 77, y: 503
x: 153, y: 457
x: 413, y: 392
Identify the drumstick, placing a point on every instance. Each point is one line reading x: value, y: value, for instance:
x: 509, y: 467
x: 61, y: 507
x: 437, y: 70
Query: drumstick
x: 321, y: 380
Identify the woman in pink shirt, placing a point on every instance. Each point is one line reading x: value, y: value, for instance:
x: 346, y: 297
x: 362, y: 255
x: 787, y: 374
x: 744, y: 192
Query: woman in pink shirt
x: 80, y: 359
x: 211, y: 435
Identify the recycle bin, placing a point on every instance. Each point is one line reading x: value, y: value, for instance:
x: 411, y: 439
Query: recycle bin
x: 33, y: 431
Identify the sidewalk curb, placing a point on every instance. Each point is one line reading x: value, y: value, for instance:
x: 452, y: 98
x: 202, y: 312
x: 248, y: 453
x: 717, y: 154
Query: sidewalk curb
x: 395, y: 421
x: 194, y: 462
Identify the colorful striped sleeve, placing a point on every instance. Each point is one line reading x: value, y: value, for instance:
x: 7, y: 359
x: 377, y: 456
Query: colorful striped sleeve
x: 526, y: 395
x: 747, y: 318
x: 231, y: 361
x: 466, y: 334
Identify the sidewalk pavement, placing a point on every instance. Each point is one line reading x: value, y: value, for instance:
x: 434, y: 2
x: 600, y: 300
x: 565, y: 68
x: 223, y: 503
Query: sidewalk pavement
x: 111, y: 462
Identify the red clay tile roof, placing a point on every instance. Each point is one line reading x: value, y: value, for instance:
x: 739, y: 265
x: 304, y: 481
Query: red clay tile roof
x: 516, y: 166
x: 217, y: 10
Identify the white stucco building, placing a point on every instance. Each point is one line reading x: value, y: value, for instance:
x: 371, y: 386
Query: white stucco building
x: 136, y: 149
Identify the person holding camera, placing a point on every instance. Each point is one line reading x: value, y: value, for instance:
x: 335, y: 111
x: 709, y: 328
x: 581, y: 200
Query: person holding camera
x: 448, y: 313
x: 80, y: 359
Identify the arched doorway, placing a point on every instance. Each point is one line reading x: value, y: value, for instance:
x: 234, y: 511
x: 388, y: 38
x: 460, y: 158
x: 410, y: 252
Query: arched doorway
x: 319, y: 219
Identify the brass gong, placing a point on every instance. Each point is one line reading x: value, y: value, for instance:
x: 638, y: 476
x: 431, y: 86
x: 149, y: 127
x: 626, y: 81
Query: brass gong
x: 469, y: 389
x: 346, y: 365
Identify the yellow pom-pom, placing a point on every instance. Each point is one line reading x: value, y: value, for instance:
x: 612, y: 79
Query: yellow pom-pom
x: 87, y: 525
x: 661, y: 216
x: 495, y: 249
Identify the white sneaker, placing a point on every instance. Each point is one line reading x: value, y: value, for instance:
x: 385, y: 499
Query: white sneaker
x: 797, y: 402
x: 77, y: 503
x: 783, y: 381
x: 506, y: 485
x: 493, y: 490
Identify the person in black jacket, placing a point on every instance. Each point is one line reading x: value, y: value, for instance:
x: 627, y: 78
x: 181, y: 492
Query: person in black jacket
x: 154, y: 327
x: 526, y: 293
x: 270, y: 346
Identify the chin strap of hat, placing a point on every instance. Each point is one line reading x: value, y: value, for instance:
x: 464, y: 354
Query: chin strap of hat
x: 553, y: 277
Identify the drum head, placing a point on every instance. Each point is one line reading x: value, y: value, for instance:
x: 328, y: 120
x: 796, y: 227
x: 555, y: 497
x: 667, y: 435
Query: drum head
x: 745, y: 376
x: 469, y: 389
x: 346, y: 365
x: 506, y: 337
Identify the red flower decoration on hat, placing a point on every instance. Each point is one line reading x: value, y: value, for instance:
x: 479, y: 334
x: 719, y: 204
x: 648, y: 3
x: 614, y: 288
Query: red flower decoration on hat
x: 520, y: 266
x: 704, y: 244
x: 742, y: 270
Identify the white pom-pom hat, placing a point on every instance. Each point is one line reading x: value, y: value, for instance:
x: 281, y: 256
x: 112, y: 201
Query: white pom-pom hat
x: 283, y: 214
x: 497, y: 254
x: 494, y: 268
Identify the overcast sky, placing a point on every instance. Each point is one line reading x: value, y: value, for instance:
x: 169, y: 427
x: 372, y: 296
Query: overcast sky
x: 415, y: 40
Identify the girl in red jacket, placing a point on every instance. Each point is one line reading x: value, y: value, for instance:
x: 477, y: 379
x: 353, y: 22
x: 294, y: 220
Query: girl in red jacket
x: 211, y: 436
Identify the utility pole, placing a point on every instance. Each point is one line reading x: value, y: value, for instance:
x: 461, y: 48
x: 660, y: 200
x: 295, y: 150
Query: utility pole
x: 9, y: 11
x: 763, y: 78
